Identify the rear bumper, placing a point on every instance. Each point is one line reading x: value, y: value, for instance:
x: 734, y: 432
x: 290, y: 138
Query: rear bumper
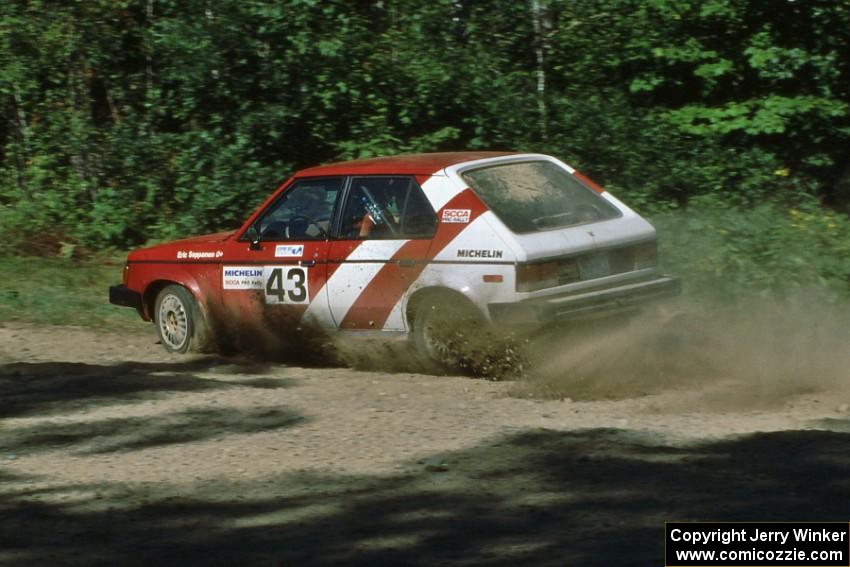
x: 587, y: 304
x: 125, y: 297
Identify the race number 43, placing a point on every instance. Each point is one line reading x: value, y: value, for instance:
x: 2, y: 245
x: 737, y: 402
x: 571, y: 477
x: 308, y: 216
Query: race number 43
x: 285, y: 284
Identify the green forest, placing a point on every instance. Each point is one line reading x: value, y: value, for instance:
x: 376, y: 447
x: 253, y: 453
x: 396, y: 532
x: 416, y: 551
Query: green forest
x: 725, y: 121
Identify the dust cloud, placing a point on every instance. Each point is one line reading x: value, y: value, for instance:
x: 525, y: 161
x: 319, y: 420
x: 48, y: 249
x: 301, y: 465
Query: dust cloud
x: 748, y: 353
x: 269, y: 336
x: 753, y: 353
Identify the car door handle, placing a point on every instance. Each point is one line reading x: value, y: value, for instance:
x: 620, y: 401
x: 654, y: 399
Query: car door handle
x: 407, y: 263
x: 307, y: 263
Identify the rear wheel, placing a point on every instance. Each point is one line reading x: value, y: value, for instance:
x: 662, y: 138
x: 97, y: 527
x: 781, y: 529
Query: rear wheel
x: 443, y: 328
x: 176, y: 317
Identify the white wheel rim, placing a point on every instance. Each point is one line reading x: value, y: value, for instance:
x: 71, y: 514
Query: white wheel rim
x: 435, y: 347
x: 173, y: 321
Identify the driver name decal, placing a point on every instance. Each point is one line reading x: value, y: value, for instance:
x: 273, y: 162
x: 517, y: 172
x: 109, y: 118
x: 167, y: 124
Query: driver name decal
x: 198, y: 255
x: 288, y: 250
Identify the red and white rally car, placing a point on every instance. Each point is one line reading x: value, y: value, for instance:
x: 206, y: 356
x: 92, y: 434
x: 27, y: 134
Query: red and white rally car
x: 386, y: 244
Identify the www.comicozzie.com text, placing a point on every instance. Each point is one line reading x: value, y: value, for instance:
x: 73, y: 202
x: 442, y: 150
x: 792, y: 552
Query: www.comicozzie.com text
x: 743, y: 534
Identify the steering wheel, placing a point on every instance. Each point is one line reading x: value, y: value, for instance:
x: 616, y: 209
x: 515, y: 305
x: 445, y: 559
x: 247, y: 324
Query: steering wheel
x: 308, y: 222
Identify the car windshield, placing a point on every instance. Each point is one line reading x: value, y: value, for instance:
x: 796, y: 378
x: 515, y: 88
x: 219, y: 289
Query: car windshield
x: 537, y: 195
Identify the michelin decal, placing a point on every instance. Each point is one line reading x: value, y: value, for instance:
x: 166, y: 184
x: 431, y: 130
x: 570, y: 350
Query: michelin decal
x: 242, y: 277
x: 466, y: 253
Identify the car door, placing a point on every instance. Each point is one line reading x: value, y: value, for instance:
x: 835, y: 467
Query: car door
x: 279, y: 278
x: 385, y: 228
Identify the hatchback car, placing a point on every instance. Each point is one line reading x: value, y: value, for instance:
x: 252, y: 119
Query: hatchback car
x: 386, y: 245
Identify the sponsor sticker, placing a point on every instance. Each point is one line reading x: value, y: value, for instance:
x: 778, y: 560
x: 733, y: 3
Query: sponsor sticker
x: 457, y: 215
x: 280, y: 284
x: 467, y: 253
x: 242, y: 277
x: 288, y: 250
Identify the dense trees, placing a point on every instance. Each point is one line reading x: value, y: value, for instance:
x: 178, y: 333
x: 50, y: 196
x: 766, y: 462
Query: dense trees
x: 124, y: 121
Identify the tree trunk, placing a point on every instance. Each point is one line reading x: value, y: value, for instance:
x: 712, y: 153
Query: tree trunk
x: 24, y: 130
x: 542, y: 25
x: 149, y: 50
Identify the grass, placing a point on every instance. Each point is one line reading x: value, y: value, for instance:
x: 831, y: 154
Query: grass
x: 57, y: 291
x: 769, y: 250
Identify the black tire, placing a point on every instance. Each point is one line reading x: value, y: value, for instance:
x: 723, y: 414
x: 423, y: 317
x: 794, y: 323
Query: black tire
x: 442, y: 328
x: 177, y: 319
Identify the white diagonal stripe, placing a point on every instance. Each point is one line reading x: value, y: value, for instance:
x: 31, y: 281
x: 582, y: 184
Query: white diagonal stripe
x: 440, y: 190
x: 351, y: 278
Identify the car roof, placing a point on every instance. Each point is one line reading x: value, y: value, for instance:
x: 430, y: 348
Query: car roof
x: 409, y: 164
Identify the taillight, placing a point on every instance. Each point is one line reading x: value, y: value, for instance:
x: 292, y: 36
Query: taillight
x: 646, y: 255
x: 539, y: 275
x: 125, y: 276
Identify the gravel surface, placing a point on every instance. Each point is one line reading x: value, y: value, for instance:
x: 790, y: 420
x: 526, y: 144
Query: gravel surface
x: 113, y: 452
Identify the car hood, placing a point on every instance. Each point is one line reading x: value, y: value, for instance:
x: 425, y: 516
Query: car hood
x: 206, y: 247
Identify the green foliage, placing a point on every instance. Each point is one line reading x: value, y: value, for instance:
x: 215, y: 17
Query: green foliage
x: 769, y: 248
x: 770, y: 115
x: 130, y: 121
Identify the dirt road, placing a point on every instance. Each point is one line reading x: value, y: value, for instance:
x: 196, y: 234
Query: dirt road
x: 112, y: 452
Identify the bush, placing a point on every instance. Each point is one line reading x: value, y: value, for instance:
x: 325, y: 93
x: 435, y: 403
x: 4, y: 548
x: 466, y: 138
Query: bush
x: 769, y: 248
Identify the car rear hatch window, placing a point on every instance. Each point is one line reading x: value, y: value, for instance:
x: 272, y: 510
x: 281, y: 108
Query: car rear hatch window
x: 535, y: 196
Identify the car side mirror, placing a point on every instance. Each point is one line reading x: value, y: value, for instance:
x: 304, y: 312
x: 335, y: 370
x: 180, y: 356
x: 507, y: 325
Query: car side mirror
x: 254, y: 236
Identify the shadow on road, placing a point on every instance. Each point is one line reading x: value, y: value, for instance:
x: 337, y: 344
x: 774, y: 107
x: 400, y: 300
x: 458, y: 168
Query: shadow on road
x: 50, y: 387
x: 123, y: 434
x: 590, y: 497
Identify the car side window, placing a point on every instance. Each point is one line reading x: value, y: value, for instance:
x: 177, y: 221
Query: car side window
x: 303, y: 212
x: 387, y: 207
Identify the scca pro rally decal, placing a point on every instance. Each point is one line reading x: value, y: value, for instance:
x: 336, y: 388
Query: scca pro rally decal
x: 288, y: 250
x: 280, y: 284
x: 242, y: 277
x: 457, y: 215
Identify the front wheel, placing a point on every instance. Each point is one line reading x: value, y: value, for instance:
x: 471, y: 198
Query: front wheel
x: 176, y: 318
